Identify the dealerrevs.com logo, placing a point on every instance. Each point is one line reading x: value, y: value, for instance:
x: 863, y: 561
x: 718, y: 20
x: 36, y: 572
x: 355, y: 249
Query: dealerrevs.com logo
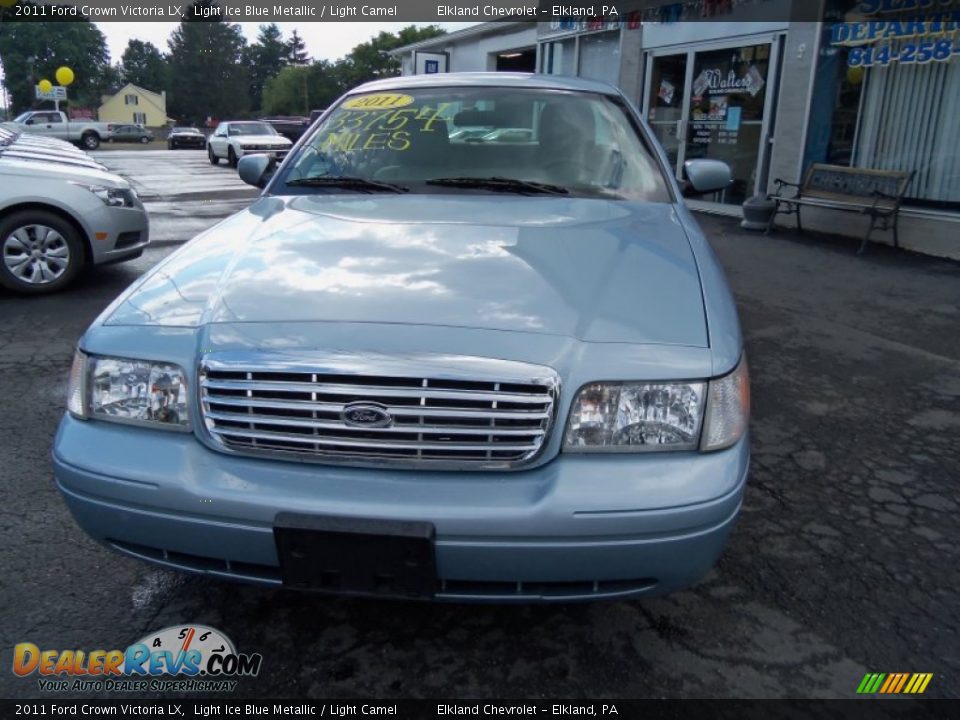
x: 179, y: 658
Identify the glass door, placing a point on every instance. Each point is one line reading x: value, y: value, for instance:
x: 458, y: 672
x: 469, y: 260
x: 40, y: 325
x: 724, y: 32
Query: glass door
x: 667, y: 101
x: 711, y: 102
x: 727, y: 116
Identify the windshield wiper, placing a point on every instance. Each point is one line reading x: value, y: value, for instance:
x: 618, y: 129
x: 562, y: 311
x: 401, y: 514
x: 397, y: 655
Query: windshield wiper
x: 353, y: 183
x: 501, y: 184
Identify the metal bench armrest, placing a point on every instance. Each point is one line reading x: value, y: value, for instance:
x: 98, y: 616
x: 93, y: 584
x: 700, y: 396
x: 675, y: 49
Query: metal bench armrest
x: 879, y: 195
x: 781, y: 184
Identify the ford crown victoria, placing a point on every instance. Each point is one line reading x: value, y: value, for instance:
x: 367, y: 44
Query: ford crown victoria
x: 421, y: 366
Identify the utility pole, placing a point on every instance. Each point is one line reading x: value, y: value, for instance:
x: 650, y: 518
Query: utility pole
x: 306, y: 96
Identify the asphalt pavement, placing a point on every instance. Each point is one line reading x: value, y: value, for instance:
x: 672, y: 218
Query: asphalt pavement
x: 844, y: 561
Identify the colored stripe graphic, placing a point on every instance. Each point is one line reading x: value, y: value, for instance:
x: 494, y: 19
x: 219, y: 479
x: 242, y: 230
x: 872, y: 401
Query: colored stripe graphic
x: 894, y: 683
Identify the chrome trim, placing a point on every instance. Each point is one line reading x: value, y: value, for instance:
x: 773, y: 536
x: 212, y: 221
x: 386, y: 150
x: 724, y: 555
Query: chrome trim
x: 425, y: 418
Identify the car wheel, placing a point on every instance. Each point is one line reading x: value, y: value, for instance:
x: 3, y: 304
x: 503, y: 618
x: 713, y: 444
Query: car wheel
x: 144, y: 140
x: 41, y: 252
x: 231, y: 157
x: 90, y: 140
x: 214, y: 160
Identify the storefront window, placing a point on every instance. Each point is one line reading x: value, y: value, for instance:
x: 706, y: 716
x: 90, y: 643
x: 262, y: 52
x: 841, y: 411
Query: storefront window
x: 600, y: 56
x: 890, y: 102
x: 559, y: 57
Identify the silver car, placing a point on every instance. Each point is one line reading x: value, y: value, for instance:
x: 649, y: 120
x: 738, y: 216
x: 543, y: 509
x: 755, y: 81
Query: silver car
x: 57, y: 216
x: 420, y: 366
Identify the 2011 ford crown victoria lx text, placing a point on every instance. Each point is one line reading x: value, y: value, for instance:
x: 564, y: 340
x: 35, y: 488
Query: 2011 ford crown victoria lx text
x: 427, y: 363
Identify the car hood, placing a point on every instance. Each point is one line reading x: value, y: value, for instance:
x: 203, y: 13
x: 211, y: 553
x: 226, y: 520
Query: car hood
x: 261, y: 139
x: 595, y: 270
x: 58, y: 169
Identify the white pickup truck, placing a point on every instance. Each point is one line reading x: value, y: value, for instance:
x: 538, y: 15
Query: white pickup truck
x: 55, y: 124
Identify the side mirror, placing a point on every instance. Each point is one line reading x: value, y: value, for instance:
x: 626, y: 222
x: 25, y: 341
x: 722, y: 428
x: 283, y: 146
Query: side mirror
x: 29, y: 121
x: 255, y: 169
x: 705, y: 176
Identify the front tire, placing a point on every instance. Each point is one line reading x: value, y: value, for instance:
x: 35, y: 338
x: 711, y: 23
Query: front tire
x: 231, y: 157
x: 90, y: 140
x: 214, y: 160
x: 144, y: 140
x: 40, y: 252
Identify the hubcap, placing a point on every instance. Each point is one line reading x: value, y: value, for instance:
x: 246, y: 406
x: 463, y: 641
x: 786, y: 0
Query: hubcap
x: 36, y: 254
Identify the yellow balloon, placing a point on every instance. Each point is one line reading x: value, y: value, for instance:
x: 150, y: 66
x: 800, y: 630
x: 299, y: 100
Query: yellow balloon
x: 45, y: 86
x: 855, y: 75
x: 64, y: 75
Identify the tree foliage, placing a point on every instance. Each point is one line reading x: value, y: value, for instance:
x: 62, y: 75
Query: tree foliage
x: 370, y: 60
x: 207, y: 75
x: 210, y: 71
x: 297, y: 50
x: 264, y: 59
x: 144, y: 65
x: 32, y: 51
x: 297, y: 90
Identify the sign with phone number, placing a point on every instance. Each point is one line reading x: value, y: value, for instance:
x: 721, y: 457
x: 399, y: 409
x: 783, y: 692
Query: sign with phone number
x: 908, y: 53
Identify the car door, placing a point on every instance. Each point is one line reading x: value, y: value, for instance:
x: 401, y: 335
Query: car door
x: 218, y: 141
x: 47, y: 124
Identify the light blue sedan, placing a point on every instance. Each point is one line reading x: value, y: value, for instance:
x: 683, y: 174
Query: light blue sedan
x: 424, y: 364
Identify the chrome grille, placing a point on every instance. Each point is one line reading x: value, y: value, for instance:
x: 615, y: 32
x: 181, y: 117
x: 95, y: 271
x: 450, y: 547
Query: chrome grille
x: 450, y: 411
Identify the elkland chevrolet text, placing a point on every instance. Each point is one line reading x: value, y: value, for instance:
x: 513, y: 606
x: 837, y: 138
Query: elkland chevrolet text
x: 463, y: 370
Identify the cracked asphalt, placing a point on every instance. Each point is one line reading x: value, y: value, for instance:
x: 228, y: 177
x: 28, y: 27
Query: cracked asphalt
x: 845, y: 559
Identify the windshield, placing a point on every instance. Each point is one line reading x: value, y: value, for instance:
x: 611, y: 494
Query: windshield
x: 22, y: 117
x: 584, y: 143
x: 185, y: 130
x: 251, y: 129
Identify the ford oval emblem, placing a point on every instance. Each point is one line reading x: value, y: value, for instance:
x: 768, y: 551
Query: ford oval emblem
x: 365, y: 415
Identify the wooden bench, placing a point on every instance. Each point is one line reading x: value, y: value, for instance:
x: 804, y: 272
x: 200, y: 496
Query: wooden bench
x: 877, y: 193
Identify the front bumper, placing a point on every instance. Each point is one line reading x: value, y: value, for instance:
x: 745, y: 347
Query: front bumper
x: 124, y: 232
x: 276, y: 153
x: 577, y: 528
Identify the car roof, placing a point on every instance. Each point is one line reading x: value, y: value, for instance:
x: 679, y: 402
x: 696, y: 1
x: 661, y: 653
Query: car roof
x: 489, y: 79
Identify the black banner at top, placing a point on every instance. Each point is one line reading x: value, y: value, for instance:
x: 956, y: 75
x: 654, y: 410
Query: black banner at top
x: 609, y: 14
x: 556, y: 709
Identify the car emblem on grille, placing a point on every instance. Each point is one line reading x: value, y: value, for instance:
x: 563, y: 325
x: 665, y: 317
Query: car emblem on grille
x: 365, y: 415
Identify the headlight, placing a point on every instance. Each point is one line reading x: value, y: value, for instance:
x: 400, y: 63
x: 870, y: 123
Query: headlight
x: 656, y: 416
x: 137, y: 392
x: 114, y: 197
x: 635, y: 417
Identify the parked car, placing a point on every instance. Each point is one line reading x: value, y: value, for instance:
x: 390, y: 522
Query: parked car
x: 130, y: 133
x: 232, y: 140
x: 11, y: 132
x: 57, y: 217
x: 55, y: 124
x: 469, y: 372
x: 291, y: 127
x: 14, y: 144
x: 186, y: 137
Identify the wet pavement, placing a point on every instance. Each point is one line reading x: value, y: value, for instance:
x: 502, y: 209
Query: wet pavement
x: 845, y: 560
x: 183, y: 193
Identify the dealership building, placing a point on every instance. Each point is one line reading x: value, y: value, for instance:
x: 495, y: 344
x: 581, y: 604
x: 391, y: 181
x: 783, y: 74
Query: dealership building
x: 770, y: 87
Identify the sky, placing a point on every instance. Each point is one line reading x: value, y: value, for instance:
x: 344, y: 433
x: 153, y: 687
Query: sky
x: 325, y: 40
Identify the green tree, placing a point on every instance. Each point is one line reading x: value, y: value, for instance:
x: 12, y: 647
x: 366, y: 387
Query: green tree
x: 207, y: 75
x: 297, y: 90
x: 32, y: 51
x: 264, y: 59
x: 297, y: 50
x: 370, y: 60
x: 144, y: 65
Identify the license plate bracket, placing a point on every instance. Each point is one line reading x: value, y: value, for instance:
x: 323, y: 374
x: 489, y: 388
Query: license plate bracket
x: 356, y: 555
